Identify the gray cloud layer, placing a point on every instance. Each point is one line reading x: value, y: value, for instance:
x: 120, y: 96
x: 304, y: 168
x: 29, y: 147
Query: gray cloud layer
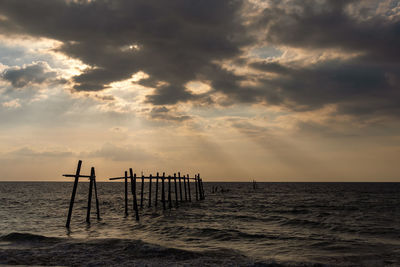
x: 36, y: 73
x: 179, y: 41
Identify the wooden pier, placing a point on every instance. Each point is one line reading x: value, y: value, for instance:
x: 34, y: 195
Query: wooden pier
x: 166, y: 197
x: 172, y: 193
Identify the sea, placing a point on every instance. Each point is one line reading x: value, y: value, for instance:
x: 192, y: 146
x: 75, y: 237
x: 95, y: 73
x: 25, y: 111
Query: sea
x: 237, y: 224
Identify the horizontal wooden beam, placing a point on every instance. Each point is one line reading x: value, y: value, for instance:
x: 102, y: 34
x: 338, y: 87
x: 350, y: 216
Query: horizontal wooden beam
x: 148, y: 177
x: 73, y: 175
x: 116, y: 178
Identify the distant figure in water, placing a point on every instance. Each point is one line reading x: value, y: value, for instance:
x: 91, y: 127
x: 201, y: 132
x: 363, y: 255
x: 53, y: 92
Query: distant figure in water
x: 220, y: 189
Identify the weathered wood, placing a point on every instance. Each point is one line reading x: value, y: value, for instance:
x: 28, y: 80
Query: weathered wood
x: 155, y: 201
x: 74, y: 175
x: 201, y: 186
x: 142, y: 192
x: 188, y: 184
x: 133, y: 189
x: 116, y: 178
x: 71, y: 203
x: 169, y: 192
x: 95, y: 194
x: 150, y: 182
x: 180, y: 185
x: 89, y: 206
x: 195, y: 186
x: 126, y: 193
x: 176, y: 191
x: 163, y: 190
x: 184, y: 185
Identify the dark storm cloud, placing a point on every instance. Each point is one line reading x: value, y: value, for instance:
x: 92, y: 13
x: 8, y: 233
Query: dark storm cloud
x: 175, y: 42
x: 36, y: 73
x: 359, y: 87
x: 329, y: 24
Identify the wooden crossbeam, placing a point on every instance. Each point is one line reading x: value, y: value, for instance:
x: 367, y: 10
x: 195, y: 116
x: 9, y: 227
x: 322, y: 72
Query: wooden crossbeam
x: 118, y: 178
x: 74, y: 175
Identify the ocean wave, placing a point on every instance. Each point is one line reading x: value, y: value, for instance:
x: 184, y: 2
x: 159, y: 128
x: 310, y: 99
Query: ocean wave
x: 114, y: 252
x: 27, y: 237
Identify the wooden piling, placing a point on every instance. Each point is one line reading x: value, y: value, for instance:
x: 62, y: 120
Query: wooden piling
x: 195, y: 186
x: 95, y: 194
x: 176, y: 191
x: 71, y: 203
x: 184, y: 185
x: 126, y: 193
x: 180, y: 185
x: 150, y: 177
x: 133, y: 188
x: 162, y: 190
x: 188, y: 183
x: 155, y: 201
x: 169, y: 192
x: 89, y: 206
x: 141, y: 192
x: 202, y: 188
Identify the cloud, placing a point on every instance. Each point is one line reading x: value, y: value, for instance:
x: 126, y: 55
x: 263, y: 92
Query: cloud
x: 357, y: 86
x: 165, y: 114
x: 36, y: 73
x: 176, y: 42
x: 338, y: 24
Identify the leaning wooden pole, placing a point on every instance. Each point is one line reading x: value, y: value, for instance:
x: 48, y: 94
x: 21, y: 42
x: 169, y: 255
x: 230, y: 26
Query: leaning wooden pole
x: 195, y: 186
x: 71, y: 203
x: 184, y: 185
x: 169, y: 193
x: 150, y: 182
x: 180, y: 186
x: 188, y: 183
x: 163, y: 191
x: 133, y: 188
x: 126, y: 193
x: 95, y: 194
x: 89, y: 206
x: 141, y: 192
x: 176, y: 191
x: 155, y: 201
x: 202, y: 188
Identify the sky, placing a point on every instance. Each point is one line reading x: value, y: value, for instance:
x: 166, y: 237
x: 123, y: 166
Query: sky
x: 274, y: 90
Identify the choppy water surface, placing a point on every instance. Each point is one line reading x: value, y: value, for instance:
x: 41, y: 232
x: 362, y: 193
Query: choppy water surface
x: 286, y: 223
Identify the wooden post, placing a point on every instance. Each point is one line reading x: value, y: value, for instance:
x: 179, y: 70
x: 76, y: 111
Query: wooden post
x: 176, y: 191
x: 201, y: 187
x: 195, y: 185
x: 95, y: 194
x: 150, y: 190
x: 141, y: 193
x: 180, y: 185
x: 169, y: 192
x: 162, y: 190
x: 71, y: 203
x: 184, y: 185
x: 126, y: 193
x: 133, y: 188
x: 155, y: 201
x: 188, y: 183
x: 90, y: 195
